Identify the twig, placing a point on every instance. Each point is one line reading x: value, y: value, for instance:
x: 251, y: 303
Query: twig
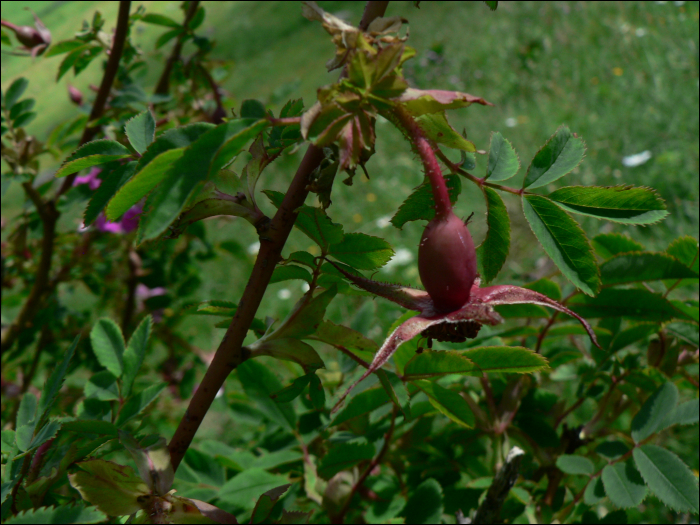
x: 98, y: 106
x: 163, y: 85
x: 230, y: 353
x: 48, y: 211
x: 490, y: 509
x: 387, y: 441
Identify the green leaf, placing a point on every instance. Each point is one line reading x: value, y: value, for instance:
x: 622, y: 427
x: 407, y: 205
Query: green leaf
x: 304, y: 258
x: 334, y: 334
x: 631, y: 303
x: 63, y: 47
x: 491, y: 4
x: 493, y: 252
x: 624, y: 204
x: 612, y: 450
x: 511, y: 359
x: 439, y: 130
x: 22, y: 107
x: 102, y: 386
x: 623, y: 485
x: 259, y: 383
x: 685, y: 249
x: 316, y: 393
x: 141, y: 130
x: 447, y: 402
x: 564, y: 241
x: 134, y: 354
x: 91, y: 426
x: 113, y: 489
x: 291, y: 392
x: 24, y: 119
x: 264, y: 505
x: 362, y: 251
x: 252, y: 108
x: 503, y: 161
x: 285, y: 273
x: 159, y: 20
x: 362, y: 403
x: 167, y: 37
x: 425, y: 504
x: 108, y: 345
x: 595, y: 492
x: 684, y: 414
x: 138, y: 402
x: 200, y: 161
x: 108, y: 188
x: 15, y: 91
x: 668, y: 477
x: 243, y: 489
x: 631, y: 335
x: 54, y: 382
x: 344, y: 457
x: 560, y: 154
x: 77, y: 54
x: 62, y: 514
x: 430, y: 364
x: 93, y: 154
x: 419, y: 102
x: 26, y: 421
x: 153, y: 165
x: 575, y: 465
x: 643, y: 266
x: 653, y: 412
x: 48, y: 431
x: 420, y: 205
x: 313, y: 222
x: 305, y: 317
x: 396, y: 390
x: 197, y: 19
x: 26, y: 413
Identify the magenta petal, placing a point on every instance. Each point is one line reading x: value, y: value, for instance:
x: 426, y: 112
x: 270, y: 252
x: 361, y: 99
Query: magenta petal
x: 405, y: 332
x: 508, y: 294
x: 410, y: 298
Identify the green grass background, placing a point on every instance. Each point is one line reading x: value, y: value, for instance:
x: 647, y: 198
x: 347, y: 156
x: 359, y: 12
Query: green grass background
x: 622, y: 75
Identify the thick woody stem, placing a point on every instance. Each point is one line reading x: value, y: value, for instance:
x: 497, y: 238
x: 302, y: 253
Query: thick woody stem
x: 443, y: 206
x: 231, y: 353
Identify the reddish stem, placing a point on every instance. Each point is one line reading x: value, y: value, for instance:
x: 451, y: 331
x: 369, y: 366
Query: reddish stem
x: 443, y: 206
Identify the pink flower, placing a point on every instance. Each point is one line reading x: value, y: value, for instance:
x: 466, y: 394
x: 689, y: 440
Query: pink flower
x: 128, y: 223
x: 90, y: 178
x: 458, y: 325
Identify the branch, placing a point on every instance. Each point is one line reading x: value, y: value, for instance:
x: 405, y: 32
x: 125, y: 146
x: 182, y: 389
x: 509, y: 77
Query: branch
x: 230, y: 353
x: 98, y: 106
x: 48, y: 211
x: 387, y: 441
x: 490, y: 509
x: 163, y: 85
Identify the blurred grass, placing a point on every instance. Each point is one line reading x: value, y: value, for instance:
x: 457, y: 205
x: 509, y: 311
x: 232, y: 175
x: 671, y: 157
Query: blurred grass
x: 623, y: 75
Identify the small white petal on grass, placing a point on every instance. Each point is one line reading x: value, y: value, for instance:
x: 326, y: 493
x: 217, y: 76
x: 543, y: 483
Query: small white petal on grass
x: 640, y: 32
x: 511, y: 122
x: 284, y: 294
x: 254, y: 248
x: 630, y: 161
x: 383, y: 222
